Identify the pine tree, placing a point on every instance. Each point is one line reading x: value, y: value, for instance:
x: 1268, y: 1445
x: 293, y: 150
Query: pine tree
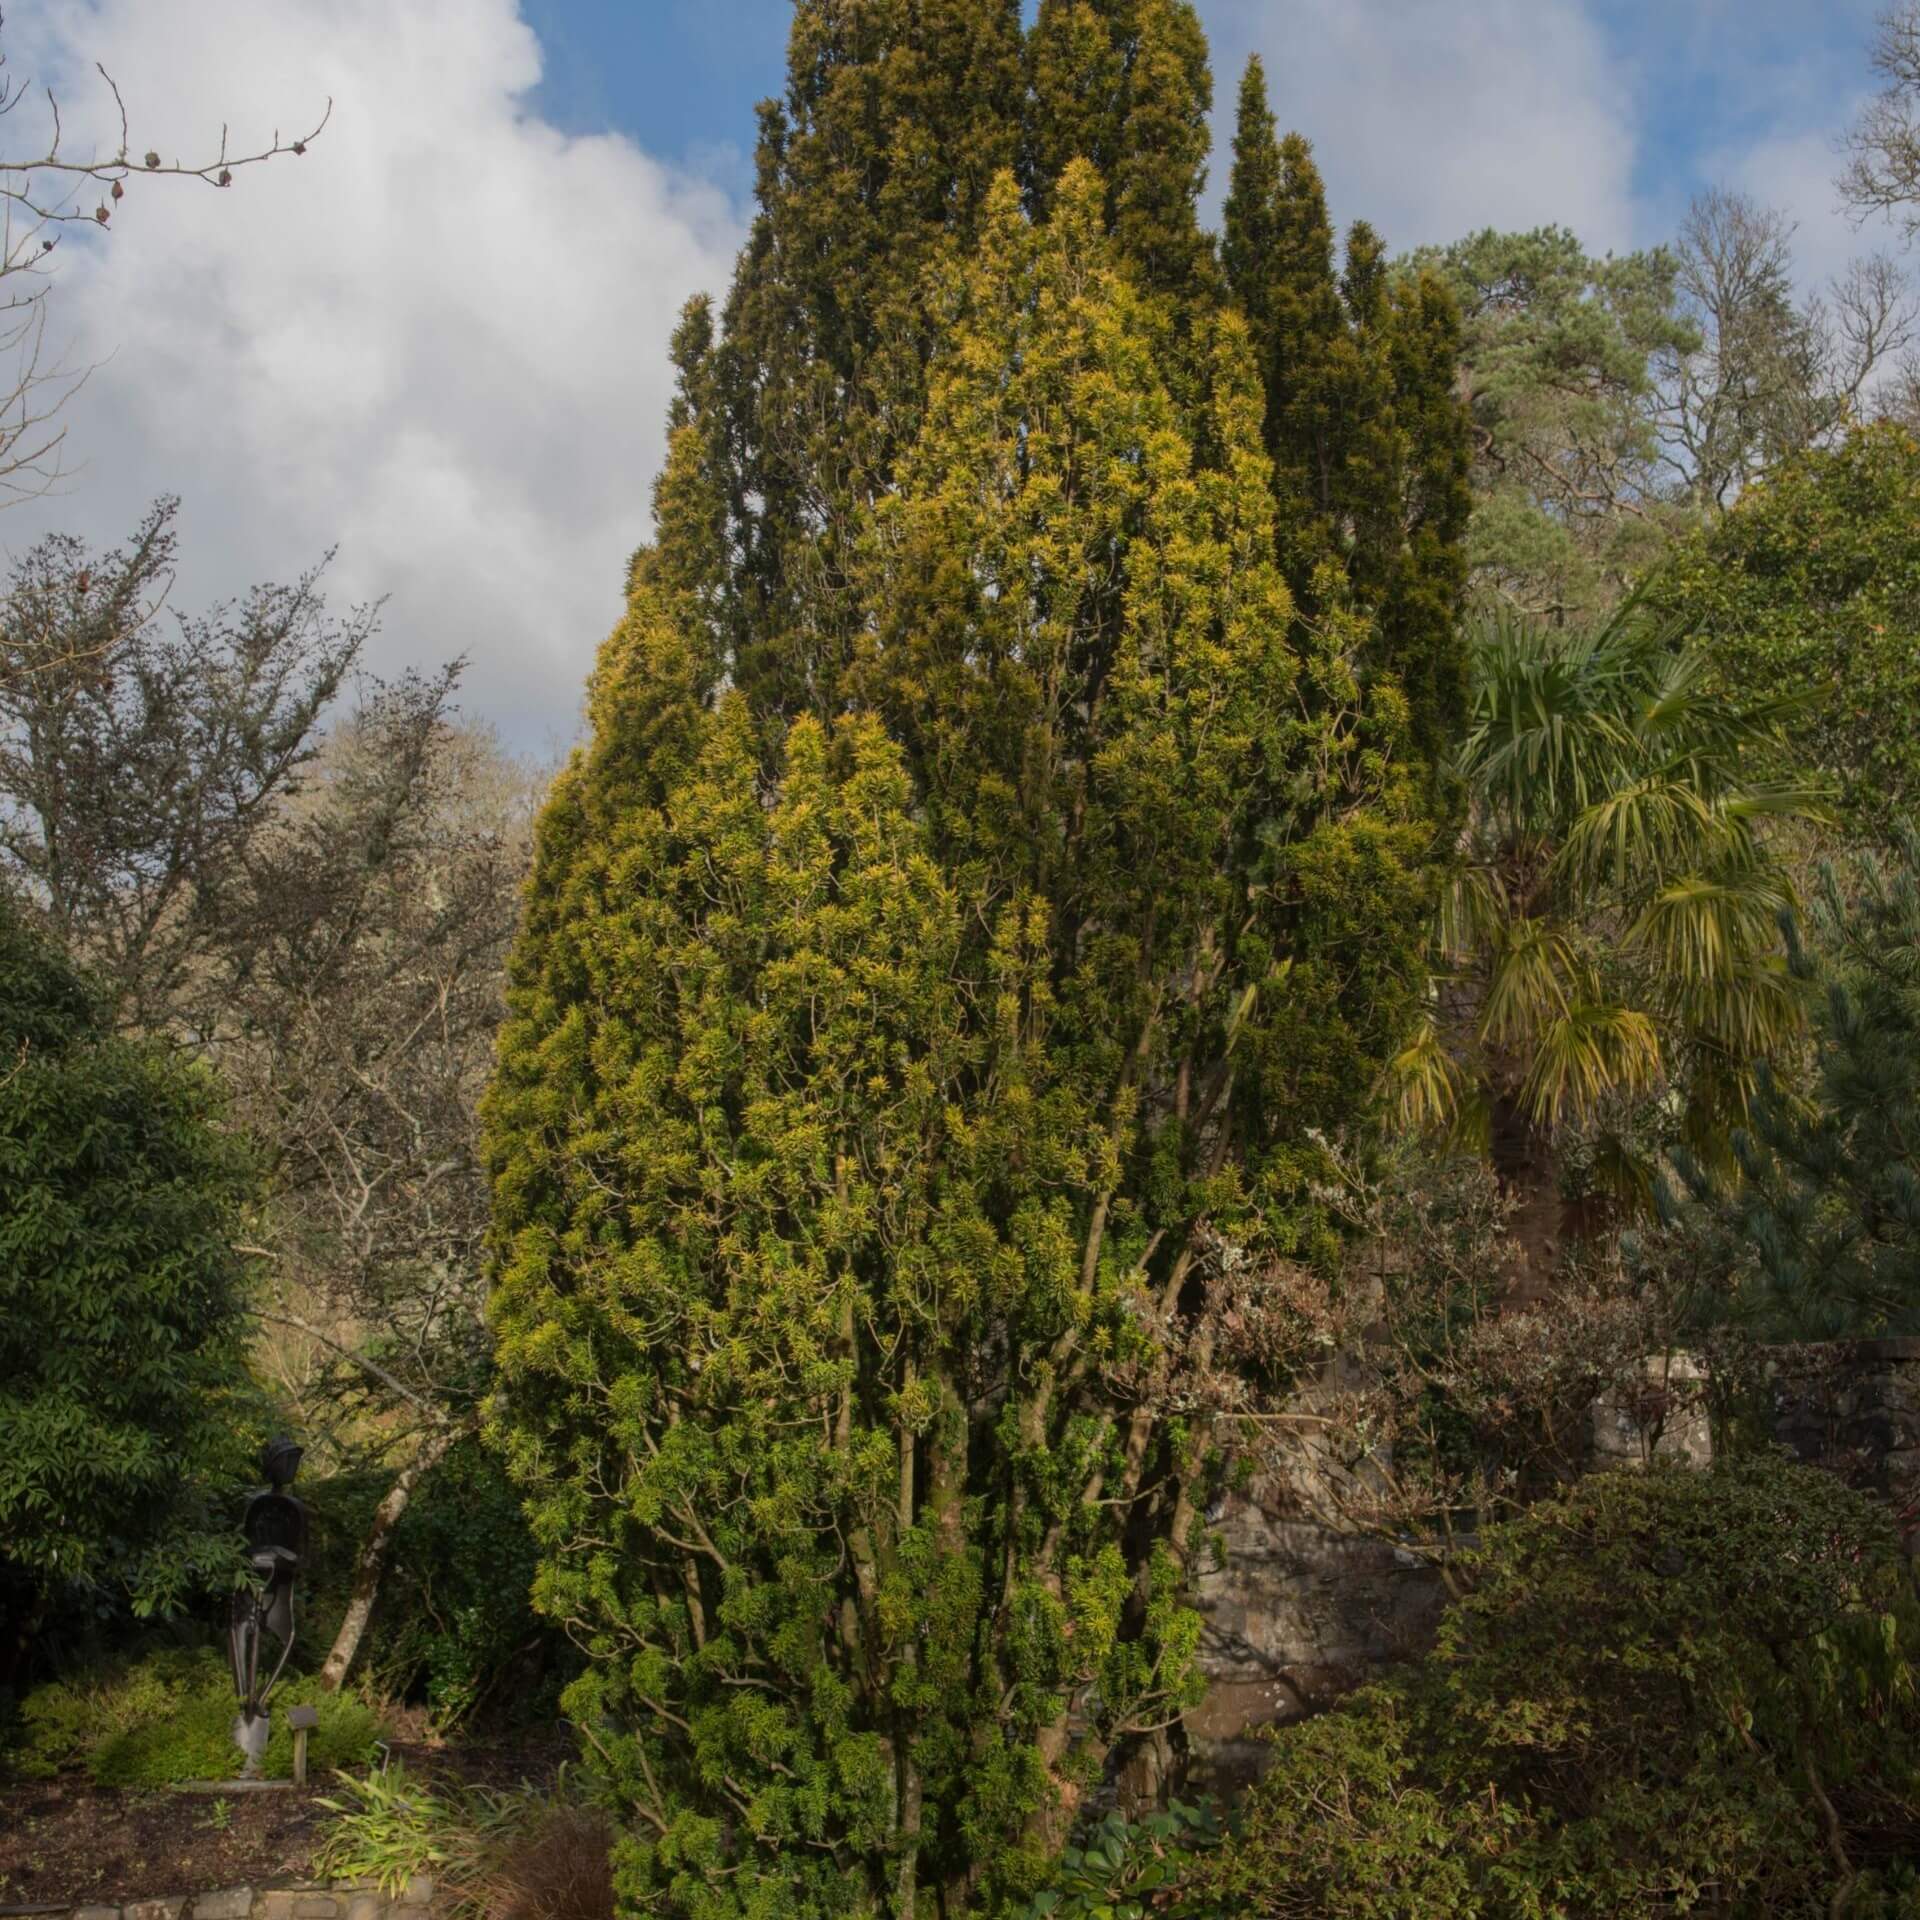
x: 1821, y: 1232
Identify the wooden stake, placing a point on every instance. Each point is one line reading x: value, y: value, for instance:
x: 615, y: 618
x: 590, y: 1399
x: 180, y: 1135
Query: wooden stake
x: 302, y: 1720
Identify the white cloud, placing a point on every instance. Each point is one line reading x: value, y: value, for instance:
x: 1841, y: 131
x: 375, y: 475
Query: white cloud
x: 437, y: 340
x: 1431, y: 119
x: 1794, y: 172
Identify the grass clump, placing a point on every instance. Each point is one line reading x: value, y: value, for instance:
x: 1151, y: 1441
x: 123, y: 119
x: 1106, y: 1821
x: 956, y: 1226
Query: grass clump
x: 391, y: 1825
x: 513, y: 1854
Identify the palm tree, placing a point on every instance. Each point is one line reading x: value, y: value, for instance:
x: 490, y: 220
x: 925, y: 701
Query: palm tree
x: 1612, y: 933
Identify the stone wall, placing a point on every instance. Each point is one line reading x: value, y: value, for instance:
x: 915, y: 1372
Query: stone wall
x: 1297, y: 1613
x: 324, y: 1900
x: 1854, y: 1408
x: 1294, y: 1611
x: 1294, y: 1616
x: 1850, y: 1406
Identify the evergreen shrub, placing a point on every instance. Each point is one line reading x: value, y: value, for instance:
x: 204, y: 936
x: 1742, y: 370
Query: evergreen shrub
x: 1669, y: 1691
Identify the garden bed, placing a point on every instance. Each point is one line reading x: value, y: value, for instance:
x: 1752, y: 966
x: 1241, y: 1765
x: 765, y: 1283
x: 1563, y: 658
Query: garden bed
x: 63, y: 1841
x: 66, y: 1842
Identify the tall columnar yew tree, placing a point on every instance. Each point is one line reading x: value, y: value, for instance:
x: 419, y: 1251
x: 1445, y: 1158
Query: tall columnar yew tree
x: 1363, y: 421
x: 982, y: 891
x: 1126, y: 86
x: 897, y: 115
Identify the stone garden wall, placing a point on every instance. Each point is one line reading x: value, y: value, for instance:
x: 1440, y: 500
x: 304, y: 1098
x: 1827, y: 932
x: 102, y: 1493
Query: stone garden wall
x: 325, y: 1900
x: 1855, y: 1409
x: 1298, y: 1613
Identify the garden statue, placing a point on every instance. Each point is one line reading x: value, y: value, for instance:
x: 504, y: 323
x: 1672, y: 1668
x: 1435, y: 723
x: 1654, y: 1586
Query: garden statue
x: 275, y: 1524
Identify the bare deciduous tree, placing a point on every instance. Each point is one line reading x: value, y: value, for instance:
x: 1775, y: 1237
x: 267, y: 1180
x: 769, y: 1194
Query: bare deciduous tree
x: 142, y: 752
x: 1882, y: 174
x: 362, y: 991
x: 1772, y: 373
x: 323, y: 915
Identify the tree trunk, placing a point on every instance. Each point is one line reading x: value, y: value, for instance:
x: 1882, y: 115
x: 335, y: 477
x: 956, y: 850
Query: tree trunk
x: 373, y: 1553
x: 1523, y: 1160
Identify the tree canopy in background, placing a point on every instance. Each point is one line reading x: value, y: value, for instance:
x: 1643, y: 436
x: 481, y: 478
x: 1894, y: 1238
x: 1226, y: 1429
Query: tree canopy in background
x: 1809, y: 589
x: 1620, y: 404
x: 143, y: 754
x: 1560, y: 360
x: 1170, y: 819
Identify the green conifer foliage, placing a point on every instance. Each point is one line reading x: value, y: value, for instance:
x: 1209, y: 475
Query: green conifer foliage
x: 1126, y: 85
x: 123, y: 1391
x: 980, y: 893
x: 1368, y: 437
x: 890, y: 1094
x: 1819, y: 1235
x: 897, y: 115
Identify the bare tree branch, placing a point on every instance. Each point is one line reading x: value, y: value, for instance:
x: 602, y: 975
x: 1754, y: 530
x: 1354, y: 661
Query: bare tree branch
x: 1882, y: 174
x: 46, y: 189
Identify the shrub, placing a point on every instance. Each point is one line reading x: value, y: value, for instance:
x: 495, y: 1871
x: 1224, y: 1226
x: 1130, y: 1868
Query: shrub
x: 64, y: 1723
x: 1819, y: 1235
x: 1130, y: 1869
x: 456, y: 1629
x: 169, y: 1717
x: 123, y: 1388
x: 195, y: 1741
x: 1666, y: 1692
x: 453, y: 1631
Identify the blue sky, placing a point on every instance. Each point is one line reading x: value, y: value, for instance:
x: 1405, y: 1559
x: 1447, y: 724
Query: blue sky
x: 437, y: 343
x: 1708, y: 82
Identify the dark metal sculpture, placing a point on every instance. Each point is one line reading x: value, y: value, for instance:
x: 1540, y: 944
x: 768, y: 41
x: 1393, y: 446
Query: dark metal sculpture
x: 275, y: 1524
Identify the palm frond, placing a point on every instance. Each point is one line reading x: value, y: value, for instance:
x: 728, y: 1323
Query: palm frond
x: 1590, y: 1051
x: 1700, y: 928
x: 1628, y: 1175
x: 1784, y: 800
x: 1750, y: 1012
x: 1645, y: 826
x: 1473, y: 911
x: 1425, y: 1083
x: 1684, y: 711
x: 1551, y: 720
x: 1535, y: 977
